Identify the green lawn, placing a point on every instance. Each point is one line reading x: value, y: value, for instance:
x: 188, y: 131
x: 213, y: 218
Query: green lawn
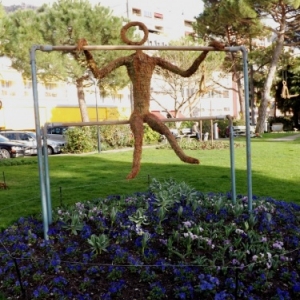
x: 73, y: 178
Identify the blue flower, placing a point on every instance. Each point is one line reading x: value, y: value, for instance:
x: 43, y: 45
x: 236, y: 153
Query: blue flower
x: 296, y: 287
x: 86, y: 232
x: 283, y: 295
x: 181, y: 295
x: 60, y: 280
x: 221, y: 296
x: 41, y: 291
x: 116, y: 286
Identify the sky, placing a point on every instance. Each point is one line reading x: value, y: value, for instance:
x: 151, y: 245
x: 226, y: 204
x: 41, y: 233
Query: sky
x: 189, y: 4
x: 17, y: 2
x: 34, y: 2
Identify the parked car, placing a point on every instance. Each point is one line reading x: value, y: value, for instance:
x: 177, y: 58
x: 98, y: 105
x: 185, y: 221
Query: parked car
x: 9, y: 149
x: 57, y: 132
x: 28, y: 139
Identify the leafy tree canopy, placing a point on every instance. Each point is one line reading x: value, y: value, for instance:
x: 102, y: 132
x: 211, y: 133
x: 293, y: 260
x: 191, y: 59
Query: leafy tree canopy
x: 232, y: 21
x: 63, y: 23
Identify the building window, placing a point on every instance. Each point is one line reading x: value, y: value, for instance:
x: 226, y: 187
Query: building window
x: 159, y: 28
x: 217, y: 93
x: 188, y: 33
x: 7, y: 88
x: 188, y: 24
x: 158, y: 16
x: 190, y: 92
x: 225, y: 94
x: 152, y: 30
x: 136, y: 12
x: 226, y: 109
x: 120, y: 96
x: 27, y: 88
x: 28, y: 85
x: 147, y: 14
x: 6, y: 84
x: 51, y: 90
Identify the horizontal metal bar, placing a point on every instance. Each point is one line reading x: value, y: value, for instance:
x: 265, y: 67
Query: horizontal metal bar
x: 132, y: 47
x: 118, y: 122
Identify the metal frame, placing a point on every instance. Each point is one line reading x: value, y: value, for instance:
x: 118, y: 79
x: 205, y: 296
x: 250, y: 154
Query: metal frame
x: 43, y: 159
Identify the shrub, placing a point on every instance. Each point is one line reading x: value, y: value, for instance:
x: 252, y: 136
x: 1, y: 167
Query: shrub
x: 239, y: 123
x: 222, y: 124
x: 79, y: 140
x: 193, y: 144
x: 114, y: 136
x: 150, y: 136
x: 85, y: 139
x: 286, y: 121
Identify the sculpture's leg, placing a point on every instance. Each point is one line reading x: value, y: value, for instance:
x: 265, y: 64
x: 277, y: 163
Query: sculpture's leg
x: 136, y: 125
x: 161, y: 128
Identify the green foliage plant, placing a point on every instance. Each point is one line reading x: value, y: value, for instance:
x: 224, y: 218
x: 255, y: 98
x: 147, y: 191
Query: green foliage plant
x: 99, y: 243
x: 79, y: 140
x: 145, y: 240
x: 113, y: 215
x: 193, y: 144
x: 139, y: 217
x: 75, y: 223
x: 114, y: 136
x: 150, y: 136
x: 286, y: 121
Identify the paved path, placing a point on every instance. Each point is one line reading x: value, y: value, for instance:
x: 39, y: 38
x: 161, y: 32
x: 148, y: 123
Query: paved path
x: 287, y: 138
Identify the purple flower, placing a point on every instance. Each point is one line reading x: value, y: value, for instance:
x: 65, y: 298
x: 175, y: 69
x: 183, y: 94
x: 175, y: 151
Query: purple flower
x: 235, y: 262
x: 278, y: 245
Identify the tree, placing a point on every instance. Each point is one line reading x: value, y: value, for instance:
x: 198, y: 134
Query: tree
x: 63, y: 23
x: 287, y: 89
x: 185, y: 92
x: 234, y: 22
x: 2, y: 30
x: 283, y: 13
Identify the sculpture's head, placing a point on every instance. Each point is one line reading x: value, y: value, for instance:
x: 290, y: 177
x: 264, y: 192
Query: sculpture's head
x: 142, y: 26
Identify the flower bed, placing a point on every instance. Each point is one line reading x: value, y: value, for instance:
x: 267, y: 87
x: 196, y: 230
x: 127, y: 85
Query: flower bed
x: 169, y: 243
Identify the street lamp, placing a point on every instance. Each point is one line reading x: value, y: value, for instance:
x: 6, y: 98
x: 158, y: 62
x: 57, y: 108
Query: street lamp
x: 95, y: 82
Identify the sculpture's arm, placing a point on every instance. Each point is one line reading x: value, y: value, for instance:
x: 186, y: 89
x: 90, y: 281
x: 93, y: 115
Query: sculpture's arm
x: 92, y: 65
x: 193, y: 68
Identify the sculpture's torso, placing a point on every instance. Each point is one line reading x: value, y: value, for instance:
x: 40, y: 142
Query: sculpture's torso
x: 140, y: 70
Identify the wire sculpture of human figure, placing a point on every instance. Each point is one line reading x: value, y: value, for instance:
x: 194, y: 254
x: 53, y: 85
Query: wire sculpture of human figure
x: 140, y: 68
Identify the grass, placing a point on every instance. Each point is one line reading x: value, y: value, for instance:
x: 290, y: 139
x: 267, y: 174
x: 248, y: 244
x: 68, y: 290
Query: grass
x: 171, y: 242
x: 156, y: 238
x: 84, y: 177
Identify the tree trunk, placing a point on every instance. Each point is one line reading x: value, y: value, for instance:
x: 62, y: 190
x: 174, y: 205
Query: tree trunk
x: 81, y: 100
x: 237, y: 79
x: 262, y: 111
x: 241, y: 97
